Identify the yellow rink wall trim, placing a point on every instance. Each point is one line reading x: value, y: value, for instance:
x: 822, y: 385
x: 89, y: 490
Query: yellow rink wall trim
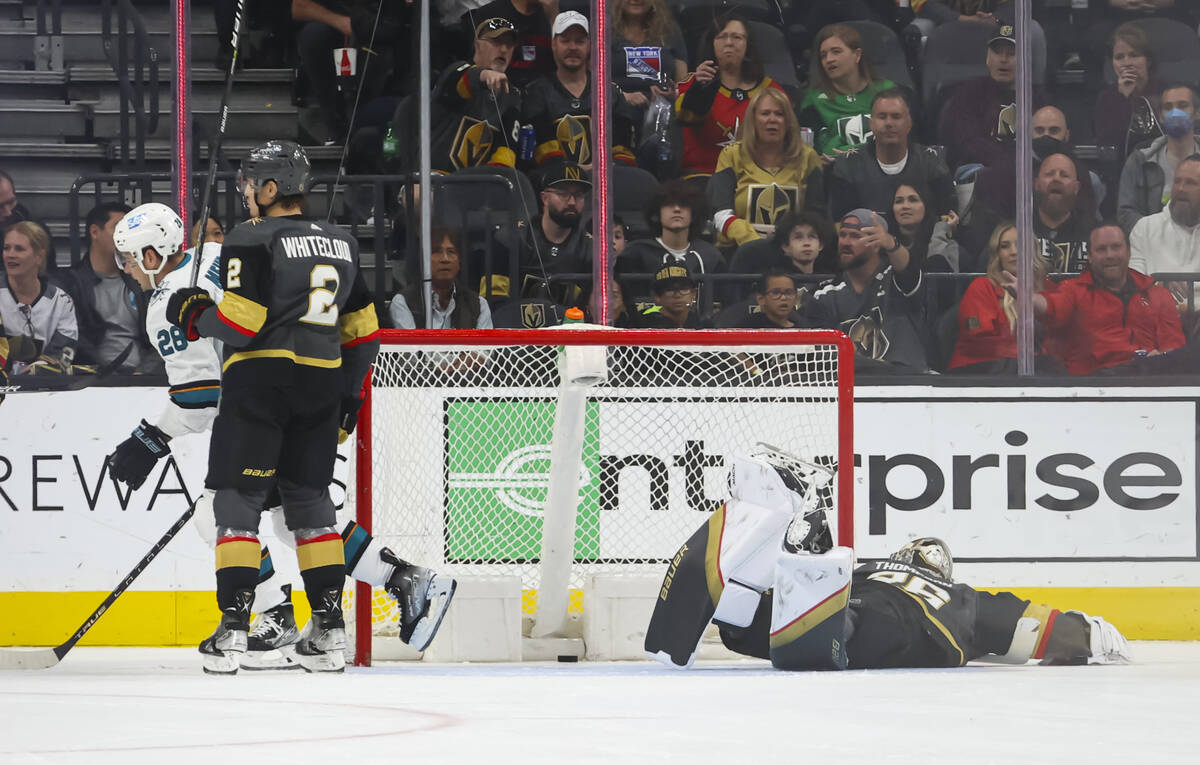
x: 186, y: 618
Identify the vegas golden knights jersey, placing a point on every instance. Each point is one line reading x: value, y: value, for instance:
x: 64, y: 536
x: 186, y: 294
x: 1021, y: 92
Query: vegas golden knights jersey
x: 471, y: 125
x: 562, y: 122
x: 293, y: 296
x: 746, y: 198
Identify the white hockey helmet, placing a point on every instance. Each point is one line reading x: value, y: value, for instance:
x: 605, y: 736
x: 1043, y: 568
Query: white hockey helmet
x: 929, y: 553
x: 150, y: 225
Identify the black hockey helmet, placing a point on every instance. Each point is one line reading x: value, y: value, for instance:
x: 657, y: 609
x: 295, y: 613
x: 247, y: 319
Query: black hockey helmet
x: 929, y: 553
x: 281, y: 161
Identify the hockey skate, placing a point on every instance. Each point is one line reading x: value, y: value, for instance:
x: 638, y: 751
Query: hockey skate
x: 221, y: 651
x: 272, y: 642
x: 423, y: 597
x: 322, y: 644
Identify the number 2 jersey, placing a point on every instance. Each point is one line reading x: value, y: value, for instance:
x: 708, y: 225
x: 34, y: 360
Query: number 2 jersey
x: 193, y: 367
x: 294, y: 298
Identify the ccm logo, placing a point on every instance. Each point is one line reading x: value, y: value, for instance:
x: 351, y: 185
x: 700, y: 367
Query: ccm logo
x: 1141, y: 469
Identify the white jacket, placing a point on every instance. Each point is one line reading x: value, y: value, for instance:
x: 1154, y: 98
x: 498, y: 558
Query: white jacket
x: 1160, y: 245
x: 193, y: 367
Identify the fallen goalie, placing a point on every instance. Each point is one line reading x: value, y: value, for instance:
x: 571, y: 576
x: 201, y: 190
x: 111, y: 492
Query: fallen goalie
x: 765, y: 570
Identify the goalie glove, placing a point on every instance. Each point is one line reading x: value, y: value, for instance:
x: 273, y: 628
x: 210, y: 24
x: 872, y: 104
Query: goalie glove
x: 134, y: 457
x: 185, y: 307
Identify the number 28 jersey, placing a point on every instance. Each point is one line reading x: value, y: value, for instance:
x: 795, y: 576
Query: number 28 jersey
x: 293, y: 297
x: 193, y: 368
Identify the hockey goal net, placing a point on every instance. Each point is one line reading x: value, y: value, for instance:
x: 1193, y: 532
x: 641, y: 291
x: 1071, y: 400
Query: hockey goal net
x: 475, y: 448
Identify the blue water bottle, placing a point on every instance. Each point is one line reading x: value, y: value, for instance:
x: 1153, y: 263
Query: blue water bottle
x: 525, y: 143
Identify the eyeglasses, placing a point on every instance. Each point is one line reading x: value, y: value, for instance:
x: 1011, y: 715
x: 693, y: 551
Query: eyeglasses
x: 730, y: 37
x: 781, y: 292
x: 679, y: 291
x: 566, y: 196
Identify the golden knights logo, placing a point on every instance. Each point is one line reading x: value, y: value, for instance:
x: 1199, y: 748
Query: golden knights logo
x: 574, y: 135
x: 472, y: 143
x: 1006, y: 123
x: 768, y: 201
x: 1064, y: 257
x: 866, y: 332
x: 533, y: 316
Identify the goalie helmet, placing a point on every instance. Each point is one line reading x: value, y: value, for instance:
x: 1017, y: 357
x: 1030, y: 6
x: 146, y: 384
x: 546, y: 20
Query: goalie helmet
x: 150, y: 225
x: 281, y: 161
x: 929, y: 553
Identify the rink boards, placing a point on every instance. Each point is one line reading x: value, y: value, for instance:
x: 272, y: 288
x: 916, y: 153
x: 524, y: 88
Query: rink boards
x: 1079, y: 497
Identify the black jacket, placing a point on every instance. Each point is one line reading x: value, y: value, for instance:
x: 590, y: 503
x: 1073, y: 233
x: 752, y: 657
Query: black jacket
x: 858, y: 180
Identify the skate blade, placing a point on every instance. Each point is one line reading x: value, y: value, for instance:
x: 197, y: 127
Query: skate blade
x: 282, y: 658
x: 223, y: 664
x: 330, y: 661
x: 441, y: 592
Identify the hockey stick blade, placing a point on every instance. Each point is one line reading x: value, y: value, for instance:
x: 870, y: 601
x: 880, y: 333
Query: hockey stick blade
x: 44, y: 658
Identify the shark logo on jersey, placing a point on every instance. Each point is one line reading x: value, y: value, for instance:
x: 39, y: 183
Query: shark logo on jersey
x: 574, y: 136
x: 472, y: 144
x: 769, y: 201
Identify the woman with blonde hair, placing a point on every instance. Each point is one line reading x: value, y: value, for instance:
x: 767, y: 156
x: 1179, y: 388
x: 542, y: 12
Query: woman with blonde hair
x: 648, y: 51
x: 987, y: 314
x: 769, y: 171
x: 842, y: 85
x: 38, y: 317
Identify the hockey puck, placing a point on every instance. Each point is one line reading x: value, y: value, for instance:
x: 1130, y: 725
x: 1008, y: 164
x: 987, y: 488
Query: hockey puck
x: 568, y: 659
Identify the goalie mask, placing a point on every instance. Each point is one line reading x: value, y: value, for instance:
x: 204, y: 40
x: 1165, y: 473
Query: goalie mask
x: 929, y: 553
x: 149, y: 225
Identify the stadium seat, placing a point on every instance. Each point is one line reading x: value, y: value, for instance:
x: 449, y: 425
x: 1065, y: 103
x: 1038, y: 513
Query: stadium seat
x: 957, y: 51
x: 1176, y: 48
x: 696, y: 16
x: 632, y: 188
x: 775, y: 55
x: 884, y: 52
x: 735, y: 315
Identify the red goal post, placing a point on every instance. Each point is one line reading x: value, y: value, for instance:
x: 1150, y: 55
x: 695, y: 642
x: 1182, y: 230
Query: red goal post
x: 471, y: 443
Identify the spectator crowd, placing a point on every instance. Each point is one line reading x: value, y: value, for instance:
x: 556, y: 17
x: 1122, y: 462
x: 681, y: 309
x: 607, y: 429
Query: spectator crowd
x: 847, y: 164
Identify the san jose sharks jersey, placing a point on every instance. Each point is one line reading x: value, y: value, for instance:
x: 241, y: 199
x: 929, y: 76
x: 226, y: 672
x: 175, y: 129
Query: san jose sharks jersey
x: 193, y: 367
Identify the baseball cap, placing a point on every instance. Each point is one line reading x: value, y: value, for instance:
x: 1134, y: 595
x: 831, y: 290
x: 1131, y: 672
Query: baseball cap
x: 493, y: 28
x: 568, y: 19
x: 671, y: 275
x: 1005, y: 33
x: 565, y: 172
x: 860, y: 217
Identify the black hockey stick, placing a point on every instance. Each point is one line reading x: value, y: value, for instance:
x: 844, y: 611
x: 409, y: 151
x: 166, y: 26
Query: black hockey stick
x: 44, y: 658
x: 214, y: 146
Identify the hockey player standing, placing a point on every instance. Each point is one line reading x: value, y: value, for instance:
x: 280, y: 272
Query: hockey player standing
x: 150, y: 239
x: 299, y: 333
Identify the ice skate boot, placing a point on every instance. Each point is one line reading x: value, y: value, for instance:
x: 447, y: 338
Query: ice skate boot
x: 272, y: 642
x: 221, y: 651
x: 322, y: 644
x: 423, y: 597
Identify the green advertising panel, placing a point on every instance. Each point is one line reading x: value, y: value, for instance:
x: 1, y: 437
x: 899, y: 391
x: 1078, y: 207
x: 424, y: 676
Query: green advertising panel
x: 498, y: 464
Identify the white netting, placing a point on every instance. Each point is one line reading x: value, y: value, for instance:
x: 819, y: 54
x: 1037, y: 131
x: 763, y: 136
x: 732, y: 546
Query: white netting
x: 461, y: 447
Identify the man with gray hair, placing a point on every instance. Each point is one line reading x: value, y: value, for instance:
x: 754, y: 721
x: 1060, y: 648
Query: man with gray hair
x: 1169, y: 241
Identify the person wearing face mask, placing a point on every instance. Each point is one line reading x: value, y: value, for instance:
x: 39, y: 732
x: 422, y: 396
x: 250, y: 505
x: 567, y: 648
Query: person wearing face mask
x: 1149, y: 173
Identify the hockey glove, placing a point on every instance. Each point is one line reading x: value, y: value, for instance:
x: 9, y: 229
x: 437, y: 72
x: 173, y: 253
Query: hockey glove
x: 134, y: 457
x: 184, y: 309
x: 349, y: 417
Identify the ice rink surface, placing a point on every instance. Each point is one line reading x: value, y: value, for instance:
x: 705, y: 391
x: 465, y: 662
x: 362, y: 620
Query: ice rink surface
x: 131, y: 706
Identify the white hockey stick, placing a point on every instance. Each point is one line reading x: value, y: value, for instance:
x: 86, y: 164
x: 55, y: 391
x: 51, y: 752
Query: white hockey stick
x: 44, y: 658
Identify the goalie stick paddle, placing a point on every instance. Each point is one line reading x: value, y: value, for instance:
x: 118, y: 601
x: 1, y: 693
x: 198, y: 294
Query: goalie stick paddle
x: 44, y: 658
x: 214, y: 147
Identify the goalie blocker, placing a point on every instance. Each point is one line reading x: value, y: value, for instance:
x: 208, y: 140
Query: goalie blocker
x: 764, y: 570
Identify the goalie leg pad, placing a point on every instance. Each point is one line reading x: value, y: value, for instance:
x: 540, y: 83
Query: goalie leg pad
x: 750, y: 539
x: 204, y: 520
x: 809, y: 610
x: 685, y: 603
